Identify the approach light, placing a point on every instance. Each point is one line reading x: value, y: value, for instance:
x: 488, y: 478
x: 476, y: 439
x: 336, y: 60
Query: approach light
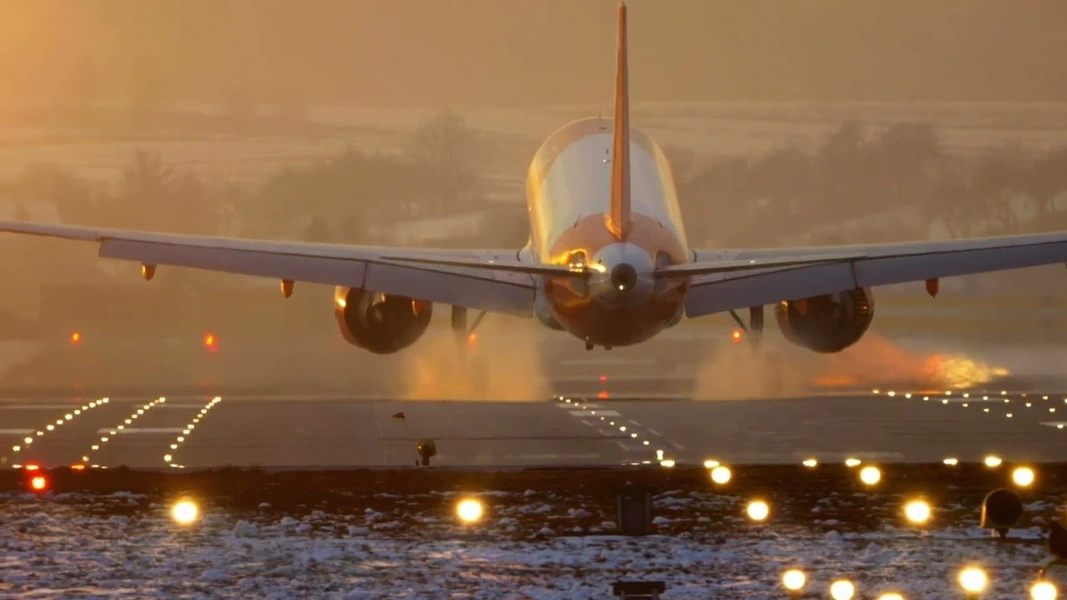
x: 917, y: 511
x: 973, y: 580
x: 469, y: 510
x: 870, y: 475
x: 952, y: 462
x: 1023, y: 476
x: 794, y: 580
x: 810, y: 463
x: 39, y: 483
x: 891, y: 596
x: 842, y: 589
x: 721, y: 475
x: 668, y: 463
x: 758, y: 510
x: 710, y: 464
x: 1043, y: 590
x: 185, y: 512
x: 1001, y: 510
x: 852, y: 462
x: 992, y: 461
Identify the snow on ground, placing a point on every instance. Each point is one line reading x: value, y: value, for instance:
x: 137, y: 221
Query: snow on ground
x: 529, y: 547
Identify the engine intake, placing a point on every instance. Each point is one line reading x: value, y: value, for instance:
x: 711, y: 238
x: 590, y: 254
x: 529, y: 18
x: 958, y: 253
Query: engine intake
x: 828, y: 323
x: 380, y: 323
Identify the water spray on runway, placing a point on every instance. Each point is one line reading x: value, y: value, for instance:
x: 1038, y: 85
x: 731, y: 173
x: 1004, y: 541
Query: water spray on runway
x: 503, y: 364
x: 780, y: 369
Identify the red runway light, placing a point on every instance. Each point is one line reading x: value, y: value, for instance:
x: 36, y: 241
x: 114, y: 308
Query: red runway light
x: 211, y: 342
x: 75, y: 337
x: 39, y: 483
x: 78, y: 467
x: 603, y: 396
x: 737, y: 335
x: 603, y: 378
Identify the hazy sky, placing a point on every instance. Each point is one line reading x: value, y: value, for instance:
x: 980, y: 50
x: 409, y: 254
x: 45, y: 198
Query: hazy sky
x: 509, y: 52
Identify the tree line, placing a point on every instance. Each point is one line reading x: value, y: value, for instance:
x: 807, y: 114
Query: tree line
x: 858, y: 172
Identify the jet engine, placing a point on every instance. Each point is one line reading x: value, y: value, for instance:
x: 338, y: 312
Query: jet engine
x: 828, y: 323
x: 380, y: 323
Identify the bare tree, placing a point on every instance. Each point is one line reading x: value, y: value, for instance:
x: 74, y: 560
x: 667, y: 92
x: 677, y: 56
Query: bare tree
x: 446, y: 147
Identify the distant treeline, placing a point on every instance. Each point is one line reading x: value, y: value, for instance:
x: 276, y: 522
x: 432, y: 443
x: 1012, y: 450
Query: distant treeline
x: 896, y: 184
x: 353, y: 197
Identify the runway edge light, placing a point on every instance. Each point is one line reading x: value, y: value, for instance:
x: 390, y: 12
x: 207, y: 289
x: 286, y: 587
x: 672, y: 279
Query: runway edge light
x: 1002, y: 509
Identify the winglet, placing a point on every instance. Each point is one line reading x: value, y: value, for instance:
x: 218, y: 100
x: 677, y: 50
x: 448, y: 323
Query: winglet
x: 619, y: 217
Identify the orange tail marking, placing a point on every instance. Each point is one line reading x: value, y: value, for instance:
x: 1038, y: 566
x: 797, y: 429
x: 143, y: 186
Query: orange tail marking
x: 619, y: 218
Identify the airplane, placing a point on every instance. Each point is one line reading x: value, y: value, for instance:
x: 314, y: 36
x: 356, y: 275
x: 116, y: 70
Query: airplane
x: 607, y: 260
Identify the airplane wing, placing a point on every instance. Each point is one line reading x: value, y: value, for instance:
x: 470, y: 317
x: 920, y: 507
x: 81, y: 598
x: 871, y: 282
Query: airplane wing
x: 492, y: 280
x: 829, y: 269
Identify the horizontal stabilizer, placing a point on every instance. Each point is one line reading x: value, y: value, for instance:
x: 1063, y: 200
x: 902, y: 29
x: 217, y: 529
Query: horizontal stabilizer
x: 497, y: 265
x: 733, y: 266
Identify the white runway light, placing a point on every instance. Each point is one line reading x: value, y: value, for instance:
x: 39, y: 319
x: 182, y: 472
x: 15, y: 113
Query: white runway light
x: 132, y: 417
x: 169, y: 456
x: 470, y: 510
x: 66, y: 418
x: 185, y: 512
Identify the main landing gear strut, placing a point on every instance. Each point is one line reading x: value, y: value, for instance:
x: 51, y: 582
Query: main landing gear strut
x: 460, y: 331
x: 754, y: 330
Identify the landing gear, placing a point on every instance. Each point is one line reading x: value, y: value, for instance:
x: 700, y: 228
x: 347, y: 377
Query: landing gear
x: 461, y: 333
x: 754, y: 329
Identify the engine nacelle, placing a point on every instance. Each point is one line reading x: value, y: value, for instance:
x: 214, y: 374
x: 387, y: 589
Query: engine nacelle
x: 828, y: 323
x: 380, y: 323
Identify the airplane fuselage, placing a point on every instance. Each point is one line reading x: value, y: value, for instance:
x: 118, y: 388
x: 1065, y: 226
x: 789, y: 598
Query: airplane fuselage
x: 568, y: 192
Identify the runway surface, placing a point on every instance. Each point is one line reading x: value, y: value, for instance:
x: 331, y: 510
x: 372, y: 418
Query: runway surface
x: 348, y: 431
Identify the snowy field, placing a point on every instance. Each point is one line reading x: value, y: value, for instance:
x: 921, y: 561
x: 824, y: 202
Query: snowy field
x: 530, y: 545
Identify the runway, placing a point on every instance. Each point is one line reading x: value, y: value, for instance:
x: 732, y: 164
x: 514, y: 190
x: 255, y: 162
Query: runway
x: 198, y: 431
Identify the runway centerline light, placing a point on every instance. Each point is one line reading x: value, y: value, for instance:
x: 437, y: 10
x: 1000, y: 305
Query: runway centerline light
x: 1043, y: 590
x: 870, y: 475
x: 1023, y: 476
x: 973, y: 580
x: 721, y: 475
x: 917, y: 511
x: 842, y: 589
x: 794, y: 580
x: 992, y: 461
x: 470, y: 510
x: 758, y: 510
x: 185, y: 512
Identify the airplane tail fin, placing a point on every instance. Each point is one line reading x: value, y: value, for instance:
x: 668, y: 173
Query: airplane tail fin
x: 619, y: 217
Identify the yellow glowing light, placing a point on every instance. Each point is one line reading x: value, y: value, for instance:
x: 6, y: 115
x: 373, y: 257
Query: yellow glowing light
x: 852, y: 462
x: 891, y: 596
x: 794, y: 580
x: 469, y: 510
x: 973, y: 580
x: 952, y: 462
x: 668, y: 463
x: 1023, y: 476
x: 992, y: 461
x: 917, y: 511
x: 758, y: 510
x: 1043, y: 590
x: 810, y: 463
x: 710, y: 464
x: 842, y: 589
x: 870, y: 475
x: 721, y: 475
x: 185, y: 512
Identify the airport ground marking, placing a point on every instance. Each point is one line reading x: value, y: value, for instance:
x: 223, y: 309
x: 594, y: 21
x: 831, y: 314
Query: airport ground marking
x: 33, y: 435
x: 110, y: 434
x: 185, y: 432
